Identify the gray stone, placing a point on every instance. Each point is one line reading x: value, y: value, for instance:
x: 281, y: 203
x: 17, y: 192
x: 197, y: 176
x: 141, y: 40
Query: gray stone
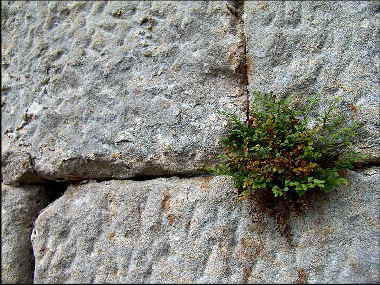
x: 336, y: 241
x: 195, y: 231
x: 116, y: 89
x: 19, y: 208
x: 121, y: 89
x: 18, y: 166
x: 328, y: 47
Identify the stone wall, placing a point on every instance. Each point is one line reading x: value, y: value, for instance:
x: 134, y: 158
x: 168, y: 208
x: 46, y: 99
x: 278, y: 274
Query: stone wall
x: 119, y: 101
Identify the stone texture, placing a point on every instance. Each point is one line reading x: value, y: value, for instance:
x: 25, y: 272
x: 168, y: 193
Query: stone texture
x: 115, y: 89
x: 121, y: 89
x: 19, y: 208
x: 195, y: 231
x: 329, y: 47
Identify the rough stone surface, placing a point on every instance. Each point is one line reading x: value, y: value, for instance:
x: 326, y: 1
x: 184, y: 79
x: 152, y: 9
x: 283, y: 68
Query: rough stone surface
x: 329, y: 47
x: 194, y: 231
x: 19, y: 208
x: 115, y: 89
x: 119, y: 89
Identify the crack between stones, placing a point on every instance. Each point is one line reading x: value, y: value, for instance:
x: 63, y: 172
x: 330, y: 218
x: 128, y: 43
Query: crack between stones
x: 236, y: 8
x: 244, y: 64
x: 65, y: 183
x: 152, y: 177
x: 366, y: 165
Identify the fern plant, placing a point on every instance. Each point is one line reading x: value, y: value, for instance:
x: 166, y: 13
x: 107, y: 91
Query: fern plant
x: 285, y: 147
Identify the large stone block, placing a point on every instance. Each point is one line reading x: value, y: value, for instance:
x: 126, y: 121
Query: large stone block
x: 116, y: 89
x: 328, y: 47
x: 19, y: 208
x: 194, y: 230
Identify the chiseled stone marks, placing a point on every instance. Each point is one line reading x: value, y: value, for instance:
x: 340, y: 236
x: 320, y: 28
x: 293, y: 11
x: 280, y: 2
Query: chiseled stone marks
x: 19, y: 208
x: 193, y: 230
x: 147, y: 230
x: 122, y: 88
x: 326, y: 47
x: 115, y: 89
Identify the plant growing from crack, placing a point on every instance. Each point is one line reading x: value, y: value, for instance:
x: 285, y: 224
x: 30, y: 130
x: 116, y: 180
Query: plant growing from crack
x: 286, y: 148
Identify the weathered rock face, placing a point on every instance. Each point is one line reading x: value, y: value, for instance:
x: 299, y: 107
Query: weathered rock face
x: 329, y: 47
x: 116, y: 89
x: 19, y: 208
x: 131, y: 89
x: 194, y: 230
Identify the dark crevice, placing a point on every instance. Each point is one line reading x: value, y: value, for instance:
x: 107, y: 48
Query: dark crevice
x: 151, y: 177
x: 57, y: 188
x: 236, y: 9
x: 365, y: 165
x: 184, y: 176
x: 54, y: 190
